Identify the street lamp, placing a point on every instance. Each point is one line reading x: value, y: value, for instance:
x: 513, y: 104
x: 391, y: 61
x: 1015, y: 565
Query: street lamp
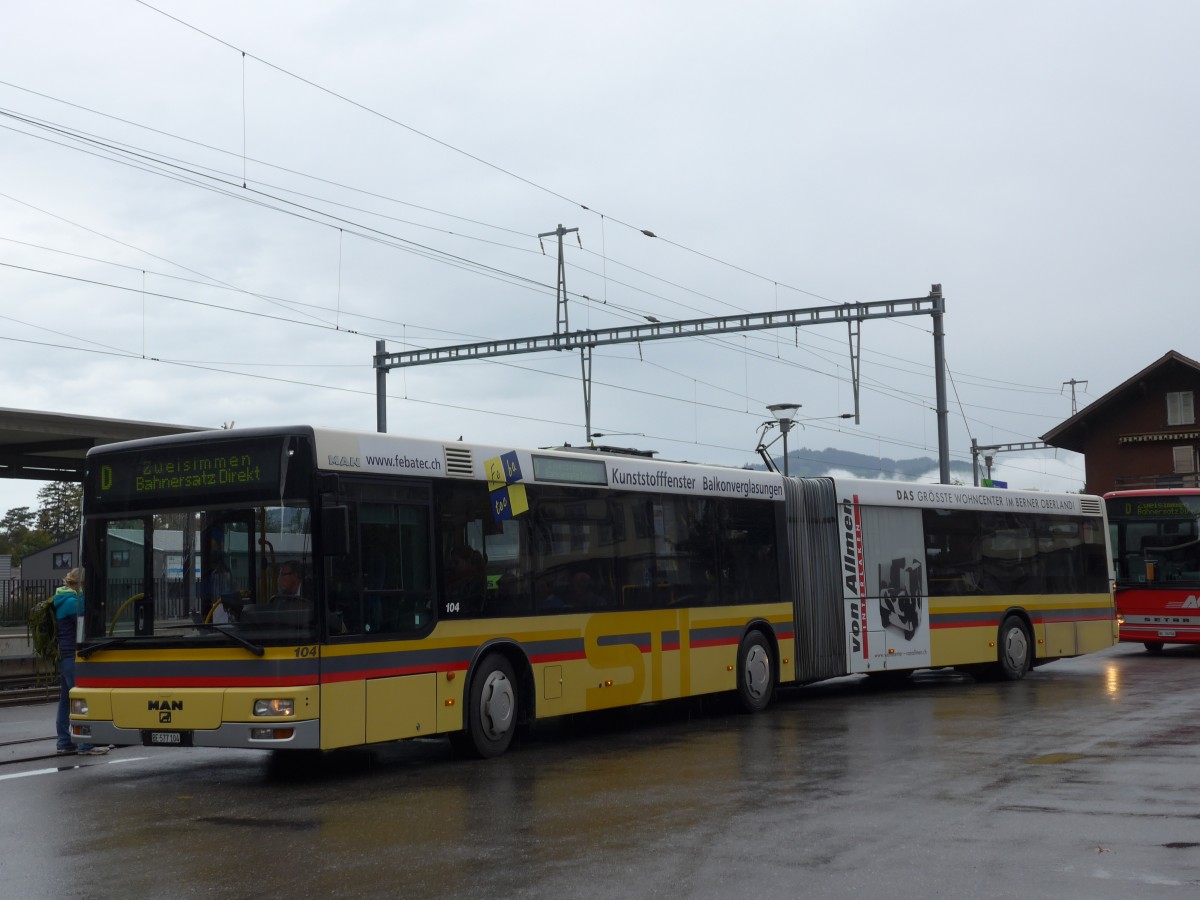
x: 785, y: 415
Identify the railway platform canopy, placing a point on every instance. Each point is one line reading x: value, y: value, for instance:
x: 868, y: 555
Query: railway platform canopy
x: 50, y: 446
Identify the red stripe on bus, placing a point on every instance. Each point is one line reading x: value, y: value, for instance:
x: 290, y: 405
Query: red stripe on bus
x: 1037, y: 620
x: 391, y: 672
x: 556, y: 657
x: 715, y: 642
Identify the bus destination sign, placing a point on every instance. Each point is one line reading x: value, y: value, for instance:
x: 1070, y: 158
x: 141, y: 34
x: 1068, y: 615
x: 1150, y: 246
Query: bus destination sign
x: 200, y: 469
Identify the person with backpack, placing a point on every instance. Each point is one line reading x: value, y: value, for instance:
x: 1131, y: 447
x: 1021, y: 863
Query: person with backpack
x: 68, y: 607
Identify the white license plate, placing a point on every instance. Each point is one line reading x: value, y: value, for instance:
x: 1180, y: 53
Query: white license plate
x: 165, y: 737
x: 1166, y: 634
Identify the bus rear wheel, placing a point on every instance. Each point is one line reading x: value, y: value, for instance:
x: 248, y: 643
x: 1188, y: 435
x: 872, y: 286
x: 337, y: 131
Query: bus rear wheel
x: 1014, y: 649
x: 491, y: 715
x: 1153, y: 646
x: 755, y: 673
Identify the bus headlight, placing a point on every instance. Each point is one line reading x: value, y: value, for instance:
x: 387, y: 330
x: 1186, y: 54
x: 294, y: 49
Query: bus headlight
x: 278, y: 706
x: 79, y: 706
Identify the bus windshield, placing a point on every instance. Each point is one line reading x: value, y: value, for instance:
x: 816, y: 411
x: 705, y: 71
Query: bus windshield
x: 1156, y: 538
x: 204, y: 576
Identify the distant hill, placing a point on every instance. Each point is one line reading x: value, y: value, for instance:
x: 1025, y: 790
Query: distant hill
x: 813, y: 463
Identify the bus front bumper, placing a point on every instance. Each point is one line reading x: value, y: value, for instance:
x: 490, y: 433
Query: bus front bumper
x: 304, y: 735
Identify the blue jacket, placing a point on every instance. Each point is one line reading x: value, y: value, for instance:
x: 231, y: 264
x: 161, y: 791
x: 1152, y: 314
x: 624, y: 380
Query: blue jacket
x: 68, y: 607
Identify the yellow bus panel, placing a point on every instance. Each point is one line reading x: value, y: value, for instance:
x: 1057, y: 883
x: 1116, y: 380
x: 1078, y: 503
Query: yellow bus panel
x: 401, y: 707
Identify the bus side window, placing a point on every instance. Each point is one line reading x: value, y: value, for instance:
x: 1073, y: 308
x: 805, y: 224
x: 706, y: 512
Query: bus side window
x: 383, y: 584
x: 466, y: 572
x: 397, y: 585
x: 341, y: 585
x: 513, y: 595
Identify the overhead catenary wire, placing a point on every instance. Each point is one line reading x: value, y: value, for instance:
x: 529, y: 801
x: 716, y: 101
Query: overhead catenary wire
x: 474, y: 157
x: 227, y: 178
x: 900, y: 397
x: 358, y: 391
x: 897, y: 396
x: 311, y: 214
x: 624, y: 224
x: 607, y: 279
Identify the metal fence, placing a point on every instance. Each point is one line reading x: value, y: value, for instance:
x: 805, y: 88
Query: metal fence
x: 18, y: 596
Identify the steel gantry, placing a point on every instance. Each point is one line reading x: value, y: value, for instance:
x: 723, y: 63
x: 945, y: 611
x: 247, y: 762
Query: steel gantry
x: 853, y: 314
x: 987, y: 451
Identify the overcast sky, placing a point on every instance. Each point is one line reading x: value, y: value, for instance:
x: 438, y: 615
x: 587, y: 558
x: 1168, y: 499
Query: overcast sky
x: 399, y: 159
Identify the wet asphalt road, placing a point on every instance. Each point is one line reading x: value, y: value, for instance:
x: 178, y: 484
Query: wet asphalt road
x: 1079, y: 782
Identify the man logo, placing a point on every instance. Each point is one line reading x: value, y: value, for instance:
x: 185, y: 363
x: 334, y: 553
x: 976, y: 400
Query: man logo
x: 164, y: 708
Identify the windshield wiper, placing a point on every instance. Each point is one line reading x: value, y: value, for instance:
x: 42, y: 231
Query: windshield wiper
x: 85, y: 652
x: 220, y: 628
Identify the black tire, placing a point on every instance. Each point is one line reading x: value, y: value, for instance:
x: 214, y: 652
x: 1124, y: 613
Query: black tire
x: 1154, y: 647
x: 755, y: 673
x: 1014, y: 649
x: 491, y: 715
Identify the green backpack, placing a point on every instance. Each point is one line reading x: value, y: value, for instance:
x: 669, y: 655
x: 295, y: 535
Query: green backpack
x: 43, y: 628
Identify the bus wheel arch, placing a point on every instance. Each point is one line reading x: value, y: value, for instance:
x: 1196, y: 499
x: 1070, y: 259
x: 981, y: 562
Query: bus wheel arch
x: 1015, y: 649
x: 497, y: 699
x: 757, y: 668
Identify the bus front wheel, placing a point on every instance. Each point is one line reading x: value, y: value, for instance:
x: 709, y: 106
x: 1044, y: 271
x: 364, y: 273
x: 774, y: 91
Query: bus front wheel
x: 755, y: 673
x: 1153, y: 646
x: 1014, y: 649
x: 491, y: 715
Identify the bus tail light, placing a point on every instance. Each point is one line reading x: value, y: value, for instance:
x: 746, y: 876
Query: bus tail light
x: 271, y: 734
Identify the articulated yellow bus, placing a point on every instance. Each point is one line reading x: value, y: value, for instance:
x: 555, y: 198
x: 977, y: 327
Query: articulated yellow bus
x: 312, y: 588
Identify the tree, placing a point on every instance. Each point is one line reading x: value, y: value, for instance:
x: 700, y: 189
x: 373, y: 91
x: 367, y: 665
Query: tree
x: 60, y: 510
x: 20, y: 535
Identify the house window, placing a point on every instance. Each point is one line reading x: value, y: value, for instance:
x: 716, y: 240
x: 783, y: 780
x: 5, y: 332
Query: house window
x: 1185, y: 460
x: 63, y: 560
x: 1180, y: 410
x: 119, y: 559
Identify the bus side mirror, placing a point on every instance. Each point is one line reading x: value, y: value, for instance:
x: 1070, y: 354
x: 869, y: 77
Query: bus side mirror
x: 335, y: 530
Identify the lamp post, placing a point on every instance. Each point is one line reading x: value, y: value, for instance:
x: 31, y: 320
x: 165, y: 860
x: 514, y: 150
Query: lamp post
x: 785, y: 415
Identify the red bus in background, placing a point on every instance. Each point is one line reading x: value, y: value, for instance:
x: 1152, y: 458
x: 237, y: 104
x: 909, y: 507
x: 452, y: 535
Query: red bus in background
x: 1156, y: 554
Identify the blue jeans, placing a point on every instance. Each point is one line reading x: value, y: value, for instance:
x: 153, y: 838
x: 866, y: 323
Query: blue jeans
x: 62, y: 721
